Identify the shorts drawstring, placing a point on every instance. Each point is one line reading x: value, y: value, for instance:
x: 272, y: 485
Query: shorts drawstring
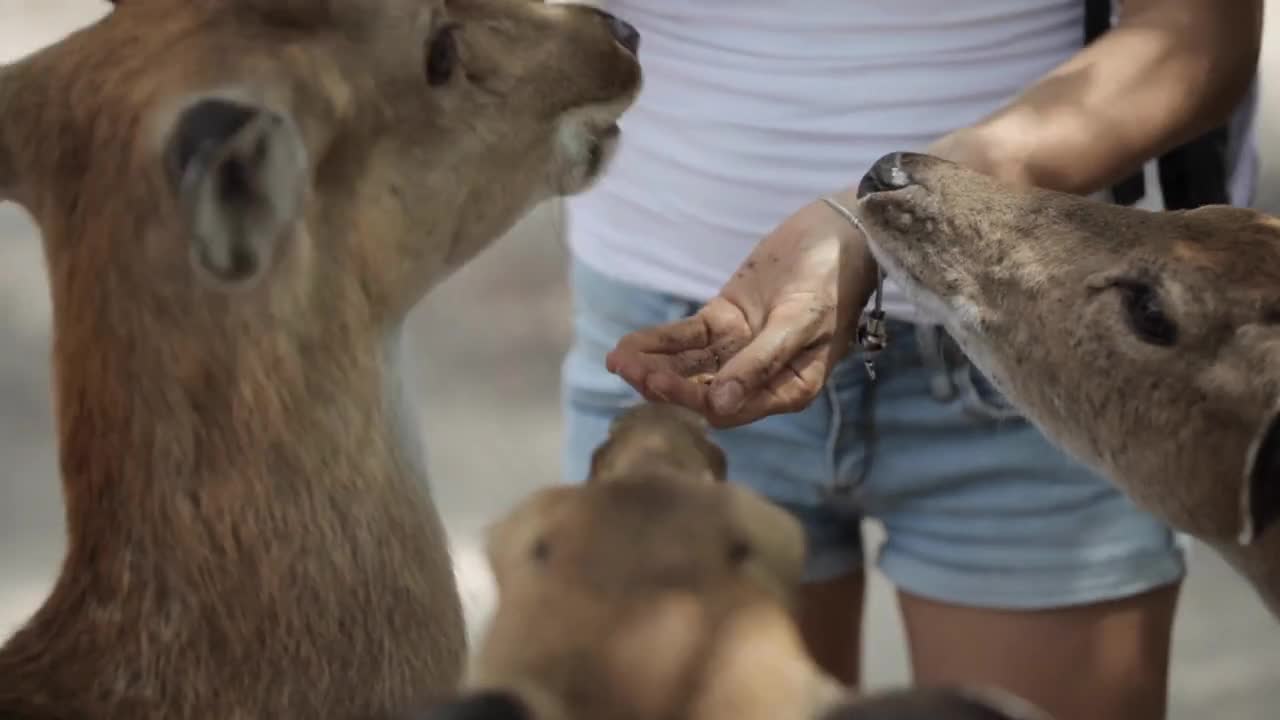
x: 951, y: 375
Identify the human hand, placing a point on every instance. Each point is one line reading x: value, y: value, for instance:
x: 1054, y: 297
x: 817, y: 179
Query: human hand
x: 767, y: 343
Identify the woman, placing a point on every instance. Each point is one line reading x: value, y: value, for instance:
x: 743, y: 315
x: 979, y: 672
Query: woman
x: 1014, y: 565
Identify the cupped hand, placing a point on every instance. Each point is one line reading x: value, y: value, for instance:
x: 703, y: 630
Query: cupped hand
x: 767, y: 343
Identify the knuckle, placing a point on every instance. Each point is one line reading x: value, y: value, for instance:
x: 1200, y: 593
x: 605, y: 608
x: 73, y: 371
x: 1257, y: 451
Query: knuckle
x: 771, y: 367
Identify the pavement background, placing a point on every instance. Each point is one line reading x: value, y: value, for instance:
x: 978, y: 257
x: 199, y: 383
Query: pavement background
x: 485, y: 378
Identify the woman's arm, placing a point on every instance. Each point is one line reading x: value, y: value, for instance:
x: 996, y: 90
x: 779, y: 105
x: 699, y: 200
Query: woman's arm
x: 1168, y: 71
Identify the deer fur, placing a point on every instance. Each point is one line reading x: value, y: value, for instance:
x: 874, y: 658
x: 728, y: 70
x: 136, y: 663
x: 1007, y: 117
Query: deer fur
x: 1146, y: 344
x: 240, y: 201
x: 12, y: 80
x: 658, y: 591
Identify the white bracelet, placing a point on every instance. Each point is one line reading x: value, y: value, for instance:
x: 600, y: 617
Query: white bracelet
x: 872, y: 336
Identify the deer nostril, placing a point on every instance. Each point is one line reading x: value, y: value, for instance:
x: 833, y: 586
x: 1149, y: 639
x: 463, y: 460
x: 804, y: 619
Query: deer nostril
x: 886, y: 174
x: 624, y: 32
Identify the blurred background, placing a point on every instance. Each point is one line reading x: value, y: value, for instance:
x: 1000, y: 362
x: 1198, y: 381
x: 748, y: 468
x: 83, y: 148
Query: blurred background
x: 484, y: 356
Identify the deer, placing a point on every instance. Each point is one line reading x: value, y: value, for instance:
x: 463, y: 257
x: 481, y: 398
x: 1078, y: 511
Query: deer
x: 1145, y: 344
x: 659, y: 590
x: 239, y: 202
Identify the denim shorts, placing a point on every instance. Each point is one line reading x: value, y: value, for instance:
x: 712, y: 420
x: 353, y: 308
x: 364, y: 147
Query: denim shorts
x: 978, y: 508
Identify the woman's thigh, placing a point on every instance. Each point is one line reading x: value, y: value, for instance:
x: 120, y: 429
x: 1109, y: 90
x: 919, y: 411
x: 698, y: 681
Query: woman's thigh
x: 1107, y: 660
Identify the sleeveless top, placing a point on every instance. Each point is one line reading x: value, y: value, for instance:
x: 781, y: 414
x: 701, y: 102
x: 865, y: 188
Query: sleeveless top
x: 753, y: 108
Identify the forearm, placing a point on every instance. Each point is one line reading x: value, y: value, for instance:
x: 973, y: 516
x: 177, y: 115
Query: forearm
x: 1169, y: 71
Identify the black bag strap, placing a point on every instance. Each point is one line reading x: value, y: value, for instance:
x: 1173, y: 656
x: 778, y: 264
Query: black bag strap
x: 1192, y: 174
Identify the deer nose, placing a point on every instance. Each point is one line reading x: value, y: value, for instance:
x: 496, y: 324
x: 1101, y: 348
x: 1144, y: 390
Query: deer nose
x: 624, y: 32
x: 886, y: 174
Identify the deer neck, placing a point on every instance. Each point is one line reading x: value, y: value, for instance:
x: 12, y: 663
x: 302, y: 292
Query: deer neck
x: 259, y: 424
x: 241, y: 500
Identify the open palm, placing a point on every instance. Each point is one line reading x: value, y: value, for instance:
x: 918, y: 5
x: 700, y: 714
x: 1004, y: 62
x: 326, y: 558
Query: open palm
x: 767, y: 343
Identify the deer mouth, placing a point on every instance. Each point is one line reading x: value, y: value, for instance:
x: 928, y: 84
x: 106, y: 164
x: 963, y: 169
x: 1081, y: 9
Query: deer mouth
x: 609, y: 132
x: 603, y: 144
x: 588, y: 140
x: 917, y: 291
x: 926, y: 278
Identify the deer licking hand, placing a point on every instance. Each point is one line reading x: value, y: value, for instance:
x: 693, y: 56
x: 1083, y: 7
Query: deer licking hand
x: 1146, y: 344
x: 240, y: 201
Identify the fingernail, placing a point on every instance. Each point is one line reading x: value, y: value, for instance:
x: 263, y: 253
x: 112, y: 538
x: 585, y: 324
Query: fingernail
x: 726, y: 398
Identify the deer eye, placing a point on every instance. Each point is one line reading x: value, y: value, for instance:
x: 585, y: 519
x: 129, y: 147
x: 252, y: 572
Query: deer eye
x: 541, y: 550
x: 442, y: 56
x: 1145, y: 313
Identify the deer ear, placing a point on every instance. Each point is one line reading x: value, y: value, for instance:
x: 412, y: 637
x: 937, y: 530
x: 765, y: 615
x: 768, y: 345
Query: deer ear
x: 240, y: 174
x: 520, y: 539
x: 937, y: 704
x: 1260, y: 492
